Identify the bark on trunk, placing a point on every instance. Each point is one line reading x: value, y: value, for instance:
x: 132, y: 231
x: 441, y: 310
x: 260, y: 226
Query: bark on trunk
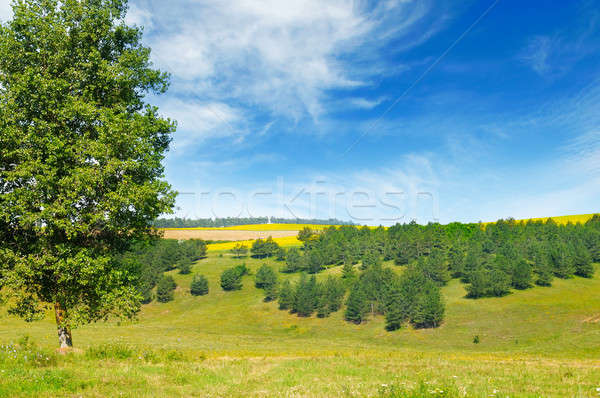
x: 64, y: 333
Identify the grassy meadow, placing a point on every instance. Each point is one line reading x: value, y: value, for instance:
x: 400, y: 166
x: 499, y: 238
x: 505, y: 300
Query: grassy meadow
x: 540, y: 342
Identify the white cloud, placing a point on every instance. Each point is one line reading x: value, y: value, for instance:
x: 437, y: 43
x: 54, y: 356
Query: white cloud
x: 197, y: 121
x: 365, y: 103
x: 280, y: 57
x: 536, y: 53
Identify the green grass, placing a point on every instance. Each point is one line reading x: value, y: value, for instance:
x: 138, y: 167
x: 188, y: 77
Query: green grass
x: 537, y: 342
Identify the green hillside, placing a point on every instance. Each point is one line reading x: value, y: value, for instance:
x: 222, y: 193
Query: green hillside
x: 537, y: 342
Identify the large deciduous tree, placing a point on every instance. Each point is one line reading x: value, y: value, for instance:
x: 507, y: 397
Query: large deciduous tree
x: 80, y: 159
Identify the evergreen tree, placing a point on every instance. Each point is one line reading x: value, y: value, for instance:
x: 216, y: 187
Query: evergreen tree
x: 396, y: 309
x: 582, y: 261
x: 429, y: 307
x: 165, y: 288
x: 499, y: 283
x: 265, y: 276
x: 306, y: 296
x: 435, y: 267
x: 231, y: 279
x: 272, y: 291
x: 286, y: 296
x: 293, y: 261
x: 356, y: 305
x: 478, y: 283
x: 521, y: 275
x: 562, y: 259
x: 541, y: 266
x: 330, y: 296
x: 184, y: 265
x: 199, y: 285
x: 348, y: 270
x: 370, y: 258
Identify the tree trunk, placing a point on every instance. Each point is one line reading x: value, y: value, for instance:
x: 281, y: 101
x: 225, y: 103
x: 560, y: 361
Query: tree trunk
x: 64, y: 333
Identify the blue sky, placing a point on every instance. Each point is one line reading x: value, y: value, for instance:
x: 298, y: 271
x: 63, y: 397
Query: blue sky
x: 380, y: 112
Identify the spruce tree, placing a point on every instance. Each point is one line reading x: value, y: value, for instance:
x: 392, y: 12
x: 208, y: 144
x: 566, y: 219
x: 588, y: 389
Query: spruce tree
x: 396, y: 309
x: 356, y: 305
x: 582, y: 260
x: 306, y: 296
x: 561, y: 257
x: 286, y: 296
x: 293, y: 261
x: 429, y: 307
x: 348, y: 270
x: 184, y: 265
x: 199, y: 285
x: 165, y: 288
x: 521, y: 275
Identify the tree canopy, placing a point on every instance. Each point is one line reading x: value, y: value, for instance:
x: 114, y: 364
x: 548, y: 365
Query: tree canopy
x: 81, y: 177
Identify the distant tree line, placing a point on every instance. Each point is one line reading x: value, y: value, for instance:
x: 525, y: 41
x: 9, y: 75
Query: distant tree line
x: 233, y: 221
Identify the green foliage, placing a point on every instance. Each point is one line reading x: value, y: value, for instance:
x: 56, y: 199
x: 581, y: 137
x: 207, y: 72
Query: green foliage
x: 286, y: 296
x: 348, y: 270
x: 305, y: 234
x: 81, y: 159
x: 521, y: 275
x: 356, y: 305
x: 239, y: 250
x: 165, y: 288
x: 370, y: 258
x: 331, y: 295
x: 561, y: 259
x: 293, y: 261
x: 231, y: 279
x: 429, y: 307
x: 435, y: 267
x: 582, y: 260
x: 266, y: 279
x: 184, y: 265
x: 306, y: 296
x: 199, y: 285
x: 262, y: 248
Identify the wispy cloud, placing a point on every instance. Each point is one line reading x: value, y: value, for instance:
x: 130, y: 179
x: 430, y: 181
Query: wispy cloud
x: 278, y: 58
x: 554, y: 54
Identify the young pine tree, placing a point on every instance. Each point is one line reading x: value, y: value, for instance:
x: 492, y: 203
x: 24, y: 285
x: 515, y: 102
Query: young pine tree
x: 286, y: 296
x: 561, y: 257
x: 184, y: 265
x: 356, y: 305
x: 165, y: 288
x: 429, y: 308
x: 582, y: 260
x: 348, y: 270
x: 396, y: 309
x: 265, y: 276
x: 199, y: 285
x: 521, y: 274
x: 306, y: 296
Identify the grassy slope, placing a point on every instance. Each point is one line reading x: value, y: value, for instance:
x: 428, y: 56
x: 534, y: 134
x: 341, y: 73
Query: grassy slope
x: 533, y: 342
